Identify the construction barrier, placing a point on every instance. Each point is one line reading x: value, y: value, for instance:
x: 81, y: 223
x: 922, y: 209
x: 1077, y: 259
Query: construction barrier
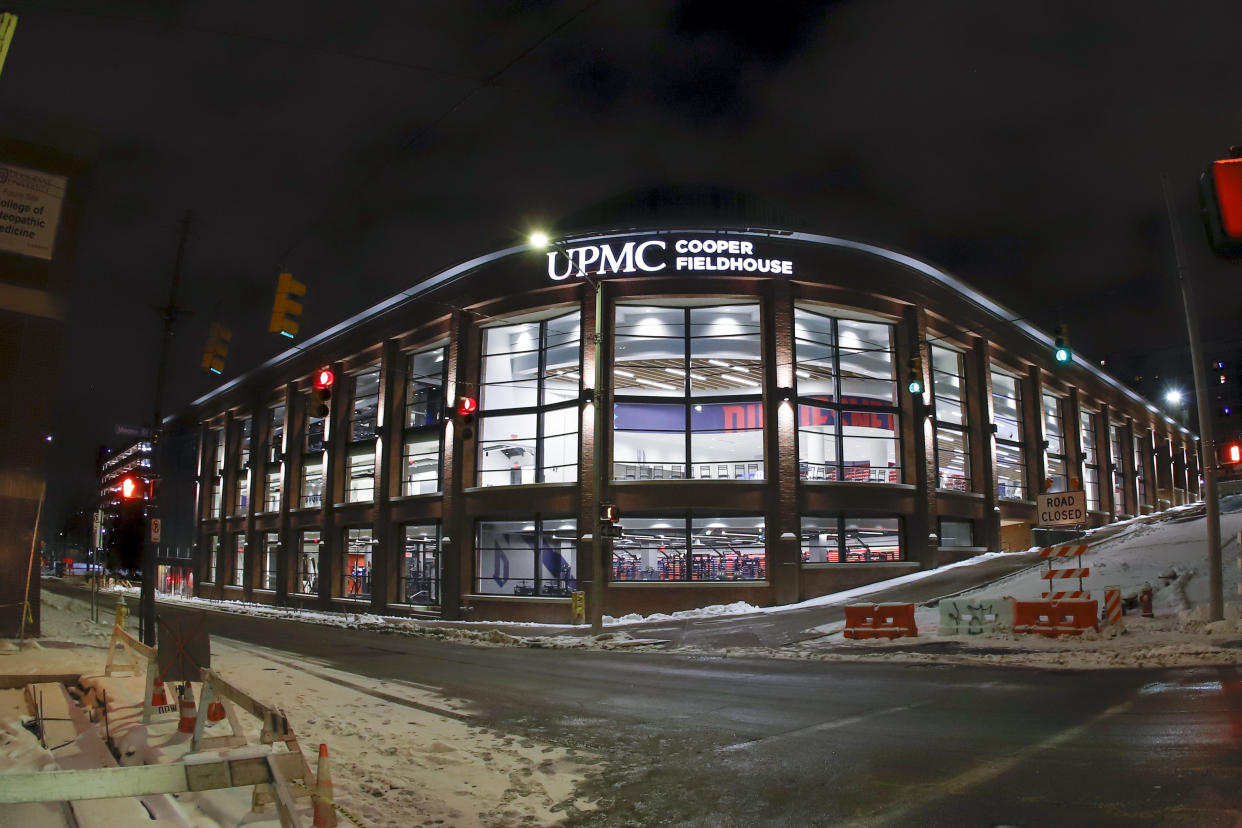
x: 124, y: 651
x: 1054, y: 618
x: 1063, y: 551
x: 1053, y: 574
x: 976, y: 616
x: 1076, y: 595
x: 880, y: 621
x: 1112, y: 604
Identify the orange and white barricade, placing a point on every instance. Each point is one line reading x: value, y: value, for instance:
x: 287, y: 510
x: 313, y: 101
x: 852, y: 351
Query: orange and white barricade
x: 1055, y: 618
x: 880, y: 621
x: 1112, y: 604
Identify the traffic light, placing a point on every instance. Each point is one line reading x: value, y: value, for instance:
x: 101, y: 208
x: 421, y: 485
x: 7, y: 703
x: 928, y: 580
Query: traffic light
x: 323, y: 392
x: 133, y: 487
x: 1233, y: 453
x: 914, y: 376
x: 1220, y: 202
x: 286, y: 307
x: 609, y: 513
x: 217, y: 348
x: 1062, y: 352
x: 465, y: 408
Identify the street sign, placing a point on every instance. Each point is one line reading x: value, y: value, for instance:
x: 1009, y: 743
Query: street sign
x: 611, y: 530
x: 155, y: 530
x: 1062, y: 508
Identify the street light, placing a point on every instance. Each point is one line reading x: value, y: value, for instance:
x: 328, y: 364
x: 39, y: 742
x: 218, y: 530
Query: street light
x: 1173, y: 396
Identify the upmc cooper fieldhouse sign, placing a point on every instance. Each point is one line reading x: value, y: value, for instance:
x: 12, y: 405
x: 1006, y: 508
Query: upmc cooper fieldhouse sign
x: 30, y: 204
x: 1062, y: 508
x: 709, y: 254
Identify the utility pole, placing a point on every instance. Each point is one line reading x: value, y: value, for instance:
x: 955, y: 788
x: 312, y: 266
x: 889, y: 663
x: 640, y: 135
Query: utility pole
x: 1207, y: 445
x: 169, y: 313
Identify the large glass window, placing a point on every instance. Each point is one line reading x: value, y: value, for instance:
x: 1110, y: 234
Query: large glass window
x: 1054, y: 438
x: 311, y: 491
x: 689, y: 393
x: 418, y: 576
x: 1115, y: 445
x: 237, y: 576
x: 356, y: 566
x: 215, y: 439
x: 847, y: 414
x: 241, y: 480
x: 424, y: 415
x: 1140, y: 475
x: 306, y: 574
x: 1010, y: 454
x: 956, y: 532
x: 1090, y: 458
x: 685, y: 548
x: 851, y: 539
x: 952, y: 441
x: 531, y: 383
x: 533, y: 557
x: 271, y: 554
x: 274, y: 463
x: 213, y: 559
x: 360, y: 459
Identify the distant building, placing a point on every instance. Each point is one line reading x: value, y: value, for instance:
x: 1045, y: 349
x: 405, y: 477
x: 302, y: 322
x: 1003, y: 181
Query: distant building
x: 762, y: 441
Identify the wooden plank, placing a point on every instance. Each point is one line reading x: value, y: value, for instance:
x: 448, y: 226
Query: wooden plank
x: 285, y: 807
x: 143, y: 780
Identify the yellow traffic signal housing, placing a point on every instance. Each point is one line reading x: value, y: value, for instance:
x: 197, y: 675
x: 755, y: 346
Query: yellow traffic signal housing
x: 286, y: 307
x: 217, y: 348
x: 8, y: 25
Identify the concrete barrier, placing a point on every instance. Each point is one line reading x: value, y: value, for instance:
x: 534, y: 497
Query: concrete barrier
x: 976, y: 616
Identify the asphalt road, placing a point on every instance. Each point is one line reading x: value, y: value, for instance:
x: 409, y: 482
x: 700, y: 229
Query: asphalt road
x: 710, y: 741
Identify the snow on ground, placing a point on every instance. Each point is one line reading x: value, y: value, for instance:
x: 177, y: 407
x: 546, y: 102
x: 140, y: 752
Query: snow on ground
x: 1169, y: 554
x: 392, y: 764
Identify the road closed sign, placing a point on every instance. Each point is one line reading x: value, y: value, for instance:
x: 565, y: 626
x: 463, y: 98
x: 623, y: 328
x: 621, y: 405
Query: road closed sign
x: 1062, y: 508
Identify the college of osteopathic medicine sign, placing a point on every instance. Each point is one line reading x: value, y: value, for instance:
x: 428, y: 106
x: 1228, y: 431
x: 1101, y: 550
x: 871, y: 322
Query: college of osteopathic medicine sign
x: 712, y: 254
x: 30, y: 204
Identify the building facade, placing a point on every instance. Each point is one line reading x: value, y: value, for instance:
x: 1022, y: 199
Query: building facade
x: 761, y: 441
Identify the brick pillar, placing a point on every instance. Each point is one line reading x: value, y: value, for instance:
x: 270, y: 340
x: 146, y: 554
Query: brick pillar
x: 288, y: 500
x: 781, y: 523
x: 332, y: 545
x: 456, y: 533
x: 983, y: 439
x: 387, y: 550
x: 918, y: 445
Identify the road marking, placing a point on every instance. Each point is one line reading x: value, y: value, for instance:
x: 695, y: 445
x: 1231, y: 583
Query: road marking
x: 900, y: 815
x: 823, y: 726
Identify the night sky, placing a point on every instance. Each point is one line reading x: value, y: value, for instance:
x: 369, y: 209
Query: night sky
x: 1018, y: 145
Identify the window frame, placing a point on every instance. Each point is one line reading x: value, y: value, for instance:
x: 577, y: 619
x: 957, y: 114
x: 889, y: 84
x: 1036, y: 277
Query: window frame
x: 1017, y: 445
x: 957, y: 431
x: 432, y: 427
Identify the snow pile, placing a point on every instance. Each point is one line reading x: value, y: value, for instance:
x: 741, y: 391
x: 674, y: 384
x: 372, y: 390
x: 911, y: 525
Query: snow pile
x: 394, y: 764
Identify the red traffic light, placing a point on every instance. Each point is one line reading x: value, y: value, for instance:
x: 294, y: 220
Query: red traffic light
x: 133, y: 487
x: 1233, y: 453
x: 609, y: 513
x: 467, y: 406
x: 324, y: 378
x: 1227, y: 178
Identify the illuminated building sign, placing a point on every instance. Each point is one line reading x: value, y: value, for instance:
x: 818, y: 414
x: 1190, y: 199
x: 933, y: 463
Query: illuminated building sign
x: 713, y: 254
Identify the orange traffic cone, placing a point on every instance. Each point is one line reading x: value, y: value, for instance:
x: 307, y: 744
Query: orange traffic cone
x: 215, y: 711
x: 325, y: 812
x: 158, y: 697
x: 189, y: 714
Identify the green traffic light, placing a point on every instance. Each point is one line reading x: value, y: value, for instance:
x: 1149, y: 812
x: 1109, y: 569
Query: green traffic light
x: 915, y: 386
x: 1063, y: 354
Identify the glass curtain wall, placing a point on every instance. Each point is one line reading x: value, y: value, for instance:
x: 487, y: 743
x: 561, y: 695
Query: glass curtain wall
x: 686, y: 548
x: 424, y: 422
x: 533, y: 557
x: 688, y: 385
x: 237, y: 576
x: 1010, y: 453
x: 952, y: 441
x: 274, y: 461
x: 1116, y: 444
x: 847, y: 403
x: 844, y: 539
x: 356, y: 566
x: 213, y: 559
x: 1054, y: 440
x: 271, y: 554
x: 306, y: 571
x: 241, y: 480
x: 363, y: 421
x: 1090, y: 458
x: 311, y: 493
x: 531, y: 384
x: 1140, y: 478
x: 418, y: 579
x: 215, y: 438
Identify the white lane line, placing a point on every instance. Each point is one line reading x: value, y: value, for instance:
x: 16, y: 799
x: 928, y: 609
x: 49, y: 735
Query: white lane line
x: 824, y: 726
x: 933, y: 792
